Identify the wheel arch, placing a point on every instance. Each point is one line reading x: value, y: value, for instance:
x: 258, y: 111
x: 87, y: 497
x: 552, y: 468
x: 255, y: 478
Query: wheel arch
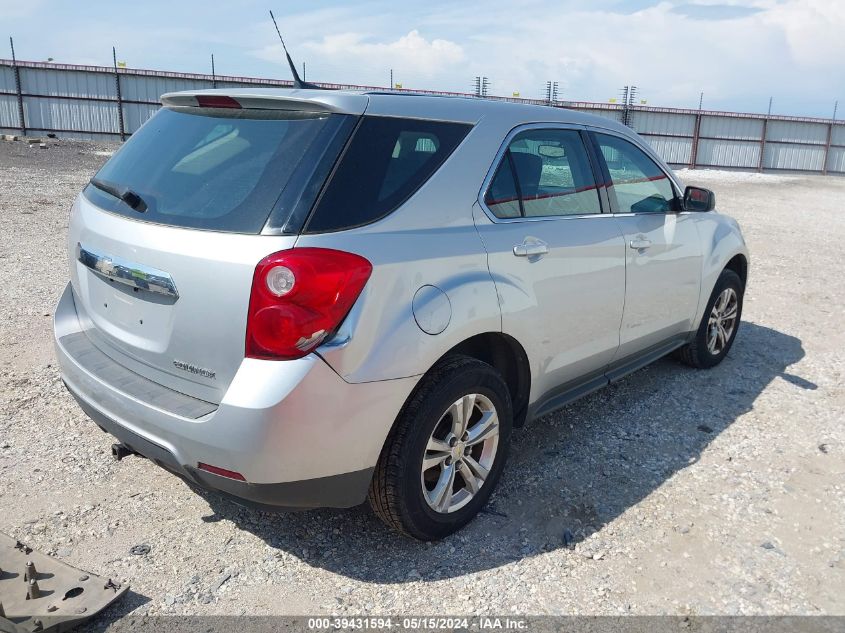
x: 739, y: 264
x: 507, y: 356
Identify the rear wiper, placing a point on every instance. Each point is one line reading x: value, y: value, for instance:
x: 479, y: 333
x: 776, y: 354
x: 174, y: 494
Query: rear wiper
x: 122, y: 193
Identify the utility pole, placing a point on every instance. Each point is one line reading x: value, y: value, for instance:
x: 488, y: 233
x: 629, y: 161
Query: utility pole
x: 625, y: 105
x: 481, y: 86
x: 769, y: 113
x: 17, y: 72
x: 391, y: 79
x: 629, y: 93
x: 213, y: 73
x: 303, y: 70
x: 696, y: 133
x: 551, y: 92
x: 835, y: 108
x: 121, y: 126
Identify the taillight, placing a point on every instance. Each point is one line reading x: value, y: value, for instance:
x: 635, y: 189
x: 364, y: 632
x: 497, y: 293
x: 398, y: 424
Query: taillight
x: 299, y: 297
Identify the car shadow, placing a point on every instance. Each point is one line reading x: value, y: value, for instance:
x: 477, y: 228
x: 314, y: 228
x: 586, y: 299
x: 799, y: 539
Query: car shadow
x: 568, y: 474
x: 105, y: 619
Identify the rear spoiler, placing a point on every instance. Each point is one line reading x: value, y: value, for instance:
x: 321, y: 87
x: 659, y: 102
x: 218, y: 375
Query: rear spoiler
x: 271, y: 99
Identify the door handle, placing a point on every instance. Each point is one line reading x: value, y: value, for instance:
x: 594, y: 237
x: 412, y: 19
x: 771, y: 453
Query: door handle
x: 640, y: 243
x: 531, y: 249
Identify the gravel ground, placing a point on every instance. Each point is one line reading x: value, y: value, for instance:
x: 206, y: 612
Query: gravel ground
x: 674, y: 491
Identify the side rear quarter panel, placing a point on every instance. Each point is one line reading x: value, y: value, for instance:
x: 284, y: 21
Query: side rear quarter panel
x: 431, y: 240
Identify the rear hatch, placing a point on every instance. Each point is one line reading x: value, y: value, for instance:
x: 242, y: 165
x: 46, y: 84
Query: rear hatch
x: 164, y: 242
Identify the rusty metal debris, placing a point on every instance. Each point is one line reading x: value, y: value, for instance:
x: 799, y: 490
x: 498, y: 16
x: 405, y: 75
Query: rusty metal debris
x: 39, y: 593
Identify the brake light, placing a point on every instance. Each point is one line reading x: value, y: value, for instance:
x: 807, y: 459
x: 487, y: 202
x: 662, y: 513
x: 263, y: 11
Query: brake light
x: 217, y: 101
x: 299, y: 298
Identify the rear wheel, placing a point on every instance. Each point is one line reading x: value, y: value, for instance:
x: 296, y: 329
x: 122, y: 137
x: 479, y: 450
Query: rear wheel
x: 446, y: 452
x: 719, y: 325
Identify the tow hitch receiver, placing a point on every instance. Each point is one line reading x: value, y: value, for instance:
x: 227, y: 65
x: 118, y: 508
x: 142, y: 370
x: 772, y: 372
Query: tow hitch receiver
x: 40, y: 593
x: 119, y: 451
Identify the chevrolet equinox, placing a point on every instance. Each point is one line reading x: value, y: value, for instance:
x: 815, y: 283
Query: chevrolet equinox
x: 303, y: 298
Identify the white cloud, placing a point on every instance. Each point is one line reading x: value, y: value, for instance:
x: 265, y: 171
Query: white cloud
x: 19, y: 9
x: 792, y: 49
x: 782, y: 47
x: 355, y: 57
x: 411, y: 52
x: 814, y: 31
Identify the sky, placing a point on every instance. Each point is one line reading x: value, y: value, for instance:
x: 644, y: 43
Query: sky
x: 739, y: 53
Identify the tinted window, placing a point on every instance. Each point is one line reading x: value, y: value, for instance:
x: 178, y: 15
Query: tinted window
x: 502, y: 197
x: 386, y: 161
x: 221, y: 170
x: 553, y: 176
x: 639, y: 184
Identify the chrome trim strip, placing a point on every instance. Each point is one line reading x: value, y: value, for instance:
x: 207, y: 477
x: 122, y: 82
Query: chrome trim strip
x: 127, y: 273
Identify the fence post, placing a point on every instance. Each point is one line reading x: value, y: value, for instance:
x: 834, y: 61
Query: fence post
x: 695, y: 135
x: 17, y: 73
x: 119, y: 96
x: 763, y: 144
x: 827, y: 147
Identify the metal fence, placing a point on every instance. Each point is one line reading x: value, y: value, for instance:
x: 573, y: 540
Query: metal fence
x: 98, y: 103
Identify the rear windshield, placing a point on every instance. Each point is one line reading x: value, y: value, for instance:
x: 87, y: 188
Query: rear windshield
x: 387, y: 160
x: 220, y: 170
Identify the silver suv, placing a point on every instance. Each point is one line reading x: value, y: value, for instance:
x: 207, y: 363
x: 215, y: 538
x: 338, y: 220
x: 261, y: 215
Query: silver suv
x: 305, y: 298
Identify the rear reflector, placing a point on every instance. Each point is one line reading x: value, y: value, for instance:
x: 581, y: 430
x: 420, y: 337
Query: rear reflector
x: 222, y: 472
x: 217, y: 101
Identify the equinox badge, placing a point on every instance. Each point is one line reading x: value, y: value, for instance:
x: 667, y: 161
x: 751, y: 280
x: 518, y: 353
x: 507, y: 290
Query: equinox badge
x: 193, y: 369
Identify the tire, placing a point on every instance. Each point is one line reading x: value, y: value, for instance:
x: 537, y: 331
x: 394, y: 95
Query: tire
x: 401, y: 493
x: 700, y: 352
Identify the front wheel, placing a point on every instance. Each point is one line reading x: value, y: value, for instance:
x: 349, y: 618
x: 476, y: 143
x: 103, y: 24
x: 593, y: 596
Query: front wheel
x: 446, y: 451
x: 719, y: 325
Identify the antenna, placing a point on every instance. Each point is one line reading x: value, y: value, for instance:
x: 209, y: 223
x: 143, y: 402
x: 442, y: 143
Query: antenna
x: 297, y: 82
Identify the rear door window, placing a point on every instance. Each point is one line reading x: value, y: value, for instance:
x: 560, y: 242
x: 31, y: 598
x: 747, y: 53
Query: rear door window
x: 544, y: 173
x: 214, y: 169
x: 502, y: 197
x: 386, y: 161
x: 639, y: 185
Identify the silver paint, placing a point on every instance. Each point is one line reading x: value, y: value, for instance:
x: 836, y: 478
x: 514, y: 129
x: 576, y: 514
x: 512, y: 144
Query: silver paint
x: 570, y: 290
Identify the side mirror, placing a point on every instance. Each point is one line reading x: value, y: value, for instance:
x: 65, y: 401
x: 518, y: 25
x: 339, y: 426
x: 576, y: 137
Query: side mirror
x: 698, y: 199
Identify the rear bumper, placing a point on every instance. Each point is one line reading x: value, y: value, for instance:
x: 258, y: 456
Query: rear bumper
x: 300, y: 435
x: 334, y: 491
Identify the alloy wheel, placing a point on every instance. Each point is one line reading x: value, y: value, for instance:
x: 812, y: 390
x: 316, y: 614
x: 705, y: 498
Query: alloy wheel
x: 460, y: 453
x: 722, y: 321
